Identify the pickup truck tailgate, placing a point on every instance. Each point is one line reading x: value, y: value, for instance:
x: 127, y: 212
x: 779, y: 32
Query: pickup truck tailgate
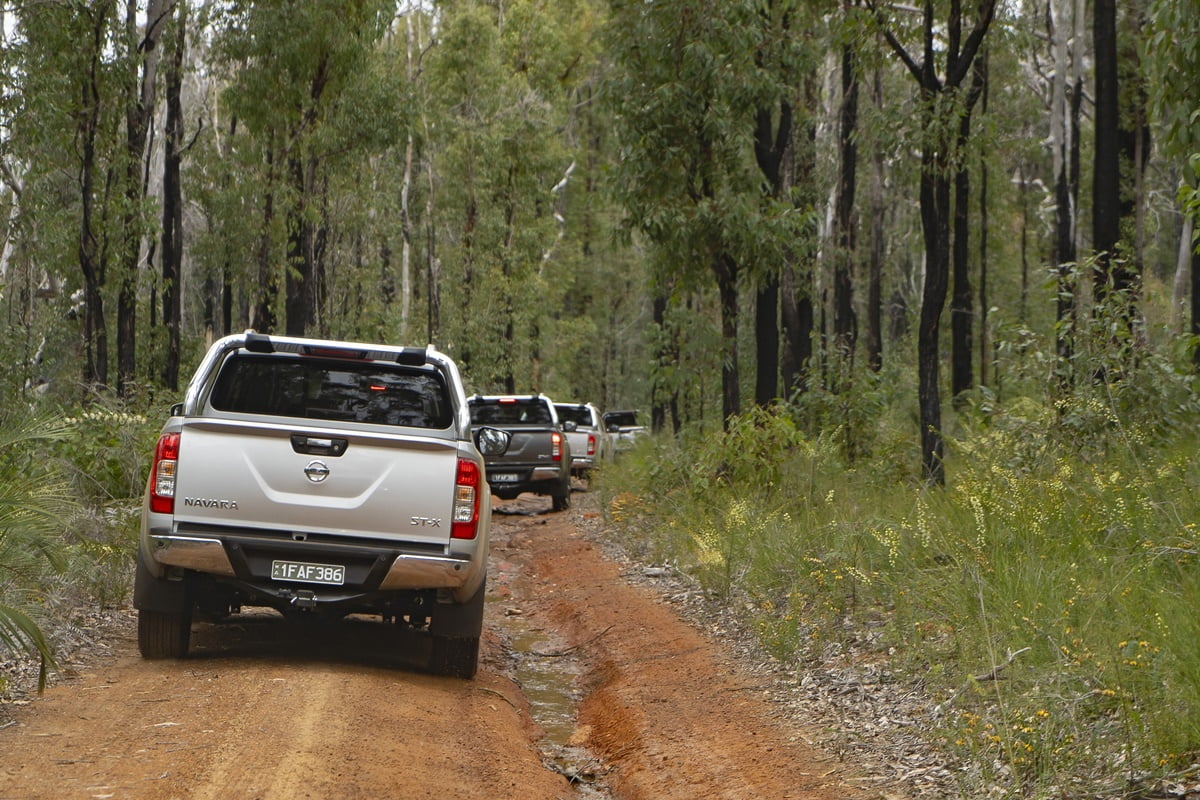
x: 295, y: 478
x: 530, y: 446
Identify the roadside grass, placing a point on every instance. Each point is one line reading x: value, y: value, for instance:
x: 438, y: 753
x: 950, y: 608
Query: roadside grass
x: 1045, y: 599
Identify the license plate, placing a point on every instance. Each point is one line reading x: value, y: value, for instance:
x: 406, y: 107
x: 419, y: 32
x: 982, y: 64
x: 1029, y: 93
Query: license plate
x: 332, y: 574
x: 505, y: 477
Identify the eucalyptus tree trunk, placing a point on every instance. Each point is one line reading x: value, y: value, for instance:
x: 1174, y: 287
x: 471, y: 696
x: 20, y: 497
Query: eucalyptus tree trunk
x: 301, y: 281
x: 139, y: 109
x: 405, y: 189
x: 1196, y: 304
x: 1135, y: 140
x: 725, y: 267
x: 771, y: 143
x: 935, y: 204
x: 92, y: 254
x: 433, y: 265
x: 263, y: 317
x: 1183, y: 270
x: 172, y: 209
x: 874, y: 337
x: 962, y: 314
x: 984, y: 357
x: 795, y: 285
x: 845, y: 325
x: 1106, y: 180
x: 1064, y: 134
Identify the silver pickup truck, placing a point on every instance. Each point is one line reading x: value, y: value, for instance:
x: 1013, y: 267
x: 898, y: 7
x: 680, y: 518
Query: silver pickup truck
x: 591, y: 443
x: 318, y: 477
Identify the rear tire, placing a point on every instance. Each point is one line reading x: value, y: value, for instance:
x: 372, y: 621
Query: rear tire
x: 455, y: 629
x: 455, y: 656
x: 561, y: 500
x: 164, y: 634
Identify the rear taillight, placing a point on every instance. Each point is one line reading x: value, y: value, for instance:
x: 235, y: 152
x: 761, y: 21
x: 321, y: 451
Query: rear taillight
x: 466, y: 501
x: 591, y: 445
x: 556, y: 446
x: 162, y: 474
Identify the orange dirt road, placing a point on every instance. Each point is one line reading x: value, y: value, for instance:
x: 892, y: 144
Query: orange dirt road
x: 272, y: 710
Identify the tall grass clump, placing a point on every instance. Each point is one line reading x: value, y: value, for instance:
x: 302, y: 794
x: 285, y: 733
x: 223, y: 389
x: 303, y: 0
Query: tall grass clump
x: 105, y: 461
x: 1045, y: 599
x: 35, y: 505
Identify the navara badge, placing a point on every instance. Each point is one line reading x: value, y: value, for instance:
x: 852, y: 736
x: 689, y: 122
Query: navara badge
x: 316, y: 471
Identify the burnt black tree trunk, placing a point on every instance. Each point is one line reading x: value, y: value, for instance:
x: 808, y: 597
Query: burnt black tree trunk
x: 91, y: 249
x: 1196, y: 304
x: 874, y: 337
x: 1066, y: 199
x: 301, y: 281
x: 172, y: 210
x: 139, y: 108
x: 264, y: 317
x: 1106, y: 181
x: 935, y: 203
x: 725, y: 267
x: 771, y: 142
x: 982, y: 66
x: 796, y: 306
x: 962, y: 312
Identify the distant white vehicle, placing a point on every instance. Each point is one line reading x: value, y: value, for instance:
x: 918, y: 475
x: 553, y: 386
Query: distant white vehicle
x: 591, y: 442
x: 624, y: 426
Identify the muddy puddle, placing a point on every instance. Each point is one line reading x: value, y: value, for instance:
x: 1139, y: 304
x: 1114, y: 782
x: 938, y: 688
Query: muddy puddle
x: 548, y: 675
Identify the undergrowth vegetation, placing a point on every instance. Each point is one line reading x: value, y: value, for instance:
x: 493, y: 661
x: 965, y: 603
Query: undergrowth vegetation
x: 1045, y: 597
x: 70, y: 489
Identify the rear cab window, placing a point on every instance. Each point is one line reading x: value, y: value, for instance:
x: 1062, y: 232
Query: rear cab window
x: 580, y: 415
x: 510, y: 411
x: 371, y: 392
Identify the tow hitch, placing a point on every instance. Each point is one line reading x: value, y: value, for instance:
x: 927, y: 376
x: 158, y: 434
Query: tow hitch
x: 304, y: 599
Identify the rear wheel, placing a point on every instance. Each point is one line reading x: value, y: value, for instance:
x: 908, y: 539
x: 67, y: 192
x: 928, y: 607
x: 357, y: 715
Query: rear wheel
x: 164, y: 634
x: 561, y: 499
x: 455, y: 656
x: 455, y: 629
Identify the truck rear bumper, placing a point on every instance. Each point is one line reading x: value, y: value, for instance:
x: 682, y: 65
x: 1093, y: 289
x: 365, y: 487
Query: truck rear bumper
x: 407, y: 571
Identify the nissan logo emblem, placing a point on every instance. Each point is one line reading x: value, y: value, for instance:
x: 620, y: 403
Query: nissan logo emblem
x: 316, y: 471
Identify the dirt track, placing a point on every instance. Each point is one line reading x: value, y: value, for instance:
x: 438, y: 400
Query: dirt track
x: 266, y: 709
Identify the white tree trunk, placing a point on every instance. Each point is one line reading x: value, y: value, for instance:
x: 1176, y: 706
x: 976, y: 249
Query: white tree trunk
x: 405, y: 185
x: 1183, y: 277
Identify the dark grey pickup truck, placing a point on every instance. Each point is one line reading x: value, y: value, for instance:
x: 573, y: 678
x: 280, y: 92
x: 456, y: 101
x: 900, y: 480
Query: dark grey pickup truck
x: 318, y: 478
x: 538, y: 456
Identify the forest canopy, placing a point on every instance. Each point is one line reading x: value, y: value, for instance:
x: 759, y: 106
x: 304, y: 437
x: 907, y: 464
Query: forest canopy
x: 686, y: 207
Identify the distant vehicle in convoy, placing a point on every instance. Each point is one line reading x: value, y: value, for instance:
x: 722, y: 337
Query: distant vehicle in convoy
x: 624, y: 425
x: 538, y: 456
x: 591, y: 443
x: 318, y: 478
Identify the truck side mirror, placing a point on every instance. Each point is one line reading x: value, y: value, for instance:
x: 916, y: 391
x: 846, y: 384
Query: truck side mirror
x: 492, y: 441
x: 569, y: 426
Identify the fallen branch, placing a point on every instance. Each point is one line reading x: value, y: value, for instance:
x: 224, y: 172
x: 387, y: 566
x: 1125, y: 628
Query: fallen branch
x: 994, y: 674
x: 991, y: 675
x: 501, y: 695
x: 573, y: 648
